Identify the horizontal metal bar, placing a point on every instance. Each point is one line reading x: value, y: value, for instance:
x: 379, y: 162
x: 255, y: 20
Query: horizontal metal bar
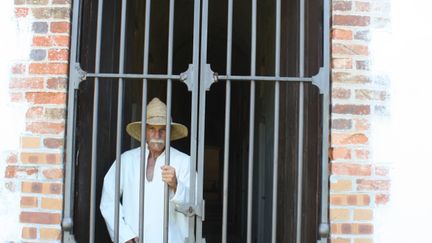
x: 264, y: 78
x: 133, y: 76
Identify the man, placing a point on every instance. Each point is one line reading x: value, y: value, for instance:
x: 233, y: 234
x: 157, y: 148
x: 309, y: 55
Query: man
x: 176, y: 176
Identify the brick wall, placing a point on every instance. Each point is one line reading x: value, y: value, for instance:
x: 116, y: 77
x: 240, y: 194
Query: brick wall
x: 360, y: 184
x: 33, y: 167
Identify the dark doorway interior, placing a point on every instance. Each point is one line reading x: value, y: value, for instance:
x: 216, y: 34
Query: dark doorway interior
x: 215, y: 108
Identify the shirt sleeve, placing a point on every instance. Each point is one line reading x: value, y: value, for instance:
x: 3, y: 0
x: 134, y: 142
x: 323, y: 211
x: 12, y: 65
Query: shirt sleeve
x: 107, y: 206
x: 181, y: 196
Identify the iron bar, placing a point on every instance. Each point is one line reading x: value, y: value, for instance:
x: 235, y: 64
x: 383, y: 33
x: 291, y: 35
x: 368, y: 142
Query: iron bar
x: 194, y: 112
x: 276, y: 122
x: 133, y: 76
x: 251, y: 122
x: 201, y: 125
x: 168, y: 119
x: 67, y: 223
x: 119, y: 122
x: 227, y: 123
x: 94, y: 125
x: 264, y: 78
x: 143, y: 158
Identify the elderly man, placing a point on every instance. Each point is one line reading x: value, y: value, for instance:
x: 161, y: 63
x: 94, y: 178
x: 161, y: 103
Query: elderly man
x: 176, y: 176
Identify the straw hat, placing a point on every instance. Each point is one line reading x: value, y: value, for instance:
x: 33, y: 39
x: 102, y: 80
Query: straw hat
x: 156, y: 115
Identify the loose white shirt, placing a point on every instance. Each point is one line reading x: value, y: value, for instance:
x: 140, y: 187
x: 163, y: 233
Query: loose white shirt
x: 154, y: 198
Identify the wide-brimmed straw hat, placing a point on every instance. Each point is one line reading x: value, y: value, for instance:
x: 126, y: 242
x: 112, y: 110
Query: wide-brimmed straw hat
x: 156, y: 115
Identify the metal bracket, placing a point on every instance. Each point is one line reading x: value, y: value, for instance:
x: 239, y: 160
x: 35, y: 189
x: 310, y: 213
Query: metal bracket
x: 324, y: 230
x: 192, y: 210
x: 203, y: 240
x: 187, y: 77
x: 210, y: 77
x: 321, y: 80
x: 77, y: 75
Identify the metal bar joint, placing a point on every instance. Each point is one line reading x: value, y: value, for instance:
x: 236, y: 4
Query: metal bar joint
x: 187, y: 77
x: 77, y: 75
x: 324, y: 230
x: 320, y: 79
x: 210, y: 77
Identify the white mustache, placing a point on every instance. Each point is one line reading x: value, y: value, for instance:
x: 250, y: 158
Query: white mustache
x: 159, y: 141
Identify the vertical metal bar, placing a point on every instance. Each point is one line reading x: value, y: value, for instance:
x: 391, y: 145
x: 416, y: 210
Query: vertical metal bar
x: 71, y: 121
x: 251, y: 122
x: 201, y: 125
x: 324, y: 227
x: 94, y: 125
x: 119, y: 121
x: 276, y: 121
x: 144, y: 122
x: 227, y: 123
x: 168, y: 119
x: 194, y: 112
x: 300, y: 129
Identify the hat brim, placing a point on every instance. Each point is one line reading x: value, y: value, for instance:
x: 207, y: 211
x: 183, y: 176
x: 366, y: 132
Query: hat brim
x: 178, y: 130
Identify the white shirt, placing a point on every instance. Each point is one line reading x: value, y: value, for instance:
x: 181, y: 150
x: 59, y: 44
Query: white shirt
x: 154, y: 198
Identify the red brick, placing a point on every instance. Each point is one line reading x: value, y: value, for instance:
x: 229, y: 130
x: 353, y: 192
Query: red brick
x: 362, y: 65
x: 342, y: 63
x: 61, y: 1
x: 349, y: 78
x: 339, y: 214
x: 351, y: 169
x: 57, y: 83
x: 20, y: 171
x: 29, y: 202
x: 39, y: 187
x: 19, y: 2
x: 48, y: 68
x: 50, y: 234
x: 341, y: 34
x: 60, y: 27
x: 53, y: 173
x: 52, y: 203
x: 349, y: 199
x: 48, y: 41
x: 45, y: 127
x: 46, y: 97
x: 348, y: 138
x: 342, y: 5
x: 352, y: 228
x: 382, y: 199
x: 364, y: 94
x: 362, y: 125
x: 34, y: 112
x: 41, y: 158
x: 40, y: 218
x: 51, y: 12
x: 21, y: 12
x: 26, y: 83
x: 37, y: 2
x: 362, y: 154
x: 351, y: 20
x: 349, y: 49
x: 341, y: 185
x: 362, y: 6
x: 373, y: 185
x: 58, y: 55
x: 363, y: 214
x: 341, y: 124
x: 53, y: 142
x: 341, y: 153
x: 351, y: 109
x: 339, y: 240
x: 340, y: 93
x: 30, y: 142
x: 29, y: 233
x: 55, y: 113
x: 18, y: 68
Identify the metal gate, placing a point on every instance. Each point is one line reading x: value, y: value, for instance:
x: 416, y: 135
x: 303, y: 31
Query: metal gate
x: 198, y: 78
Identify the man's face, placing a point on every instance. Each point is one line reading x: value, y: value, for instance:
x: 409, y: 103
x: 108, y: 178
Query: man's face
x: 156, y: 135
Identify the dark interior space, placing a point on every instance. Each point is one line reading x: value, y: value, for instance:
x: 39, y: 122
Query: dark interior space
x: 215, y: 110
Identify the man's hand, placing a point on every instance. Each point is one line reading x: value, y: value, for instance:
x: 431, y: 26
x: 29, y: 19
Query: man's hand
x: 169, y: 177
